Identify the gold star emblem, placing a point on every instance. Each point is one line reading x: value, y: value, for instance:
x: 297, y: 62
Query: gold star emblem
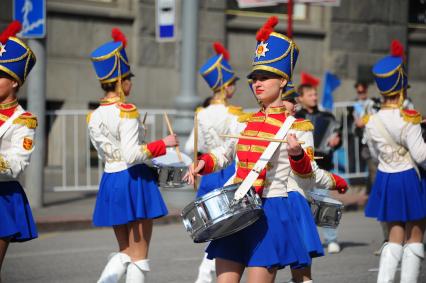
x: 2, y: 49
x: 261, y: 50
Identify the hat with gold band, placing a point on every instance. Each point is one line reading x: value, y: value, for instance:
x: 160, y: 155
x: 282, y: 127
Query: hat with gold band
x: 110, y: 59
x: 16, y: 58
x: 217, y: 71
x: 289, y: 92
x: 389, y: 72
x: 275, y: 53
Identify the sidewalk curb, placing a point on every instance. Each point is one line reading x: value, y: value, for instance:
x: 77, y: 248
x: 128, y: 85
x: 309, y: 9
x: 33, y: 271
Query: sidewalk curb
x: 49, y: 224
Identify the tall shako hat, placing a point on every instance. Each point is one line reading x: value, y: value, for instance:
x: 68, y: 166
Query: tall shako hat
x: 217, y: 71
x: 16, y: 58
x: 389, y: 72
x: 275, y: 53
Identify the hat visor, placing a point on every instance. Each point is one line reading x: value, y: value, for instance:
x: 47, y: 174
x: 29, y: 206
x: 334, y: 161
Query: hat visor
x: 262, y: 73
x: 290, y: 96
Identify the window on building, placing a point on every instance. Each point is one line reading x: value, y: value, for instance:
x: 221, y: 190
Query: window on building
x: 417, y: 13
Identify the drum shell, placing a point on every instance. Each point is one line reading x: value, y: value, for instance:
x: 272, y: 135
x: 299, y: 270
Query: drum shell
x: 214, y: 215
x: 326, y: 214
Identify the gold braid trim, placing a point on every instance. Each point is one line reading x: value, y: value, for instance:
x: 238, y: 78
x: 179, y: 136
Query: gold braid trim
x: 89, y: 115
x: 214, y: 161
x: 4, y: 165
x: 304, y: 125
x: 365, y: 119
x: 333, y: 182
x: 146, y: 151
x: 414, y: 118
x: 235, y: 110
x: 28, y: 121
x: 245, y: 117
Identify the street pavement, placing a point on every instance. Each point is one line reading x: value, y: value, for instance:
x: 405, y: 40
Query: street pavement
x: 79, y: 256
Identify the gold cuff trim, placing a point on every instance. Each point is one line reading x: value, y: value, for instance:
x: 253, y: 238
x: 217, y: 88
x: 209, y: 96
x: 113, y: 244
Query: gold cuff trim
x: 213, y: 157
x: 146, y: 151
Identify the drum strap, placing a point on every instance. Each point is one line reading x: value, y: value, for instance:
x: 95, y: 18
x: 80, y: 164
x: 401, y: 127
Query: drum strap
x: 397, y: 147
x: 263, y: 160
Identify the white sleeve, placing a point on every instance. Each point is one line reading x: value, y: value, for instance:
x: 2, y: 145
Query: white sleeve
x: 413, y: 141
x: 14, y: 161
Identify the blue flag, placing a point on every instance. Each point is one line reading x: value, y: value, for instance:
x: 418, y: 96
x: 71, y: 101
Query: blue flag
x: 331, y: 82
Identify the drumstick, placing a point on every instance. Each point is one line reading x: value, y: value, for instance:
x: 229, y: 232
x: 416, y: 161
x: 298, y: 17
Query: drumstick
x: 171, y: 132
x: 144, y: 118
x: 257, y: 139
x: 195, y: 148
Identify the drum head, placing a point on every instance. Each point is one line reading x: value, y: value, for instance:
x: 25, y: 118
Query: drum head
x: 171, y: 159
x: 325, y: 199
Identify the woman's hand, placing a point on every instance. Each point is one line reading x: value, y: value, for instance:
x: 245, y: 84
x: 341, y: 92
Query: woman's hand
x: 192, y: 172
x: 293, y: 148
x: 171, y: 140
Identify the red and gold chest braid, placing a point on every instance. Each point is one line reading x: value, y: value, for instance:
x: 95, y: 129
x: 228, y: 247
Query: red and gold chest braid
x: 7, y: 110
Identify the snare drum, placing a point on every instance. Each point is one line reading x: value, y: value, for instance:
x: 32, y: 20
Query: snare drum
x: 170, y: 169
x: 327, y: 211
x: 214, y: 215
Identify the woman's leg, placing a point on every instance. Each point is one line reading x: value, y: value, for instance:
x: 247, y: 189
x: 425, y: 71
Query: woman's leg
x: 391, y: 252
x: 261, y: 274
x: 118, y: 262
x: 4, y: 243
x: 228, y: 271
x: 139, y: 238
x: 301, y: 274
x: 413, y: 251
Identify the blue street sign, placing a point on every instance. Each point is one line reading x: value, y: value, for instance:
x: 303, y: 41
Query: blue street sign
x: 32, y: 15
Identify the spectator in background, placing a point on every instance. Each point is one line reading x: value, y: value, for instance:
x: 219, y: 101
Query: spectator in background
x: 327, y: 139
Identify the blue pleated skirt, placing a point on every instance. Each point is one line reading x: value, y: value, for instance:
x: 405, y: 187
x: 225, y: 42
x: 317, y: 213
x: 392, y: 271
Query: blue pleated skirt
x: 301, y: 208
x: 16, y: 219
x: 215, y: 180
x: 274, y: 240
x: 127, y: 196
x: 397, y: 197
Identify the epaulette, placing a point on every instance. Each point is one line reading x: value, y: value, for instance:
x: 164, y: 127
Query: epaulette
x: 27, y: 119
x: 411, y: 116
x: 128, y: 110
x: 365, y: 119
x: 236, y: 110
x: 199, y: 108
x: 302, y: 125
x: 89, y: 115
x: 245, y: 117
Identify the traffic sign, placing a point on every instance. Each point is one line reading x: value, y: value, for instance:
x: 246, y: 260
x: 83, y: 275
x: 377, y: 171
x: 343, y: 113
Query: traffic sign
x: 32, y: 15
x: 166, y: 20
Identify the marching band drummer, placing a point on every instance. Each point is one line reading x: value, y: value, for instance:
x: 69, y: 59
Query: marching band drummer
x: 214, y: 120
x: 397, y: 197
x: 17, y: 129
x: 128, y: 197
x: 275, y: 240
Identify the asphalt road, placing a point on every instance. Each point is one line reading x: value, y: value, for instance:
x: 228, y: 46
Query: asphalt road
x: 79, y: 256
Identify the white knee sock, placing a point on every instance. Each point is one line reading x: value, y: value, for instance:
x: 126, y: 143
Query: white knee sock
x: 137, y: 271
x: 389, y: 259
x: 206, y: 270
x: 413, y: 254
x: 115, y: 268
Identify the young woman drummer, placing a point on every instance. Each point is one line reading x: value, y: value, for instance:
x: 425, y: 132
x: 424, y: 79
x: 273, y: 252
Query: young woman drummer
x: 275, y: 240
x: 398, y: 196
x: 128, y: 199
x: 17, y: 129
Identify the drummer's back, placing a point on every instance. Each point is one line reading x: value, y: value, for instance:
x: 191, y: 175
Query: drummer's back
x: 106, y: 115
x: 219, y: 117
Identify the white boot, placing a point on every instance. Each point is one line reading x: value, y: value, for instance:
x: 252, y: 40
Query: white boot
x: 206, y: 270
x: 115, y: 268
x: 413, y: 254
x: 137, y: 271
x: 389, y: 259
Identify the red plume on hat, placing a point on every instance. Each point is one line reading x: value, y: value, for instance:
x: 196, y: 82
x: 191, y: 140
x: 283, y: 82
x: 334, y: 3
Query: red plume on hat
x: 308, y: 79
x: 221, y: 50
x: 12, y: 29
x: 118, y: 35
x: 267, y: 28
x: 397, y: 49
